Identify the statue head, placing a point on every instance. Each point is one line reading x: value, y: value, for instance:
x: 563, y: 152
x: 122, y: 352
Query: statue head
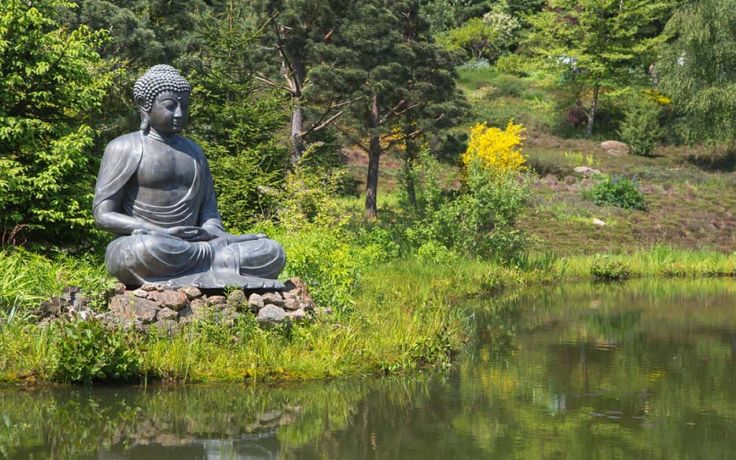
x: 162, y: 97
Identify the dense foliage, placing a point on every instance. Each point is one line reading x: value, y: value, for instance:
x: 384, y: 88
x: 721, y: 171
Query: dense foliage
x: 617, y: 191
x: 698, y: 69
x: 52, y: 92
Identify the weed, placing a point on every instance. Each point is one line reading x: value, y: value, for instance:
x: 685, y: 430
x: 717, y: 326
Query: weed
x: 88, y: 352
x: 617, y: 191
x: 606, y: 269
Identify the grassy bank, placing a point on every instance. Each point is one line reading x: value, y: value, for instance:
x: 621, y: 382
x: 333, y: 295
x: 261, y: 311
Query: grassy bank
x: 403, y: 315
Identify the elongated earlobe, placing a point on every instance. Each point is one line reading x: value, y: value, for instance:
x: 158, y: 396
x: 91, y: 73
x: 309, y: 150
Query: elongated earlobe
x: 145, y: 122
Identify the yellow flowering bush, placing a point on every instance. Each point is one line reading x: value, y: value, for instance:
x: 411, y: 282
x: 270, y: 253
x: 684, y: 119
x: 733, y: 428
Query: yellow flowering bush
x: 498, y: 150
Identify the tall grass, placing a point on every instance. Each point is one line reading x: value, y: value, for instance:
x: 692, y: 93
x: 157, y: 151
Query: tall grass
x: 659, y: 261
x: 26, y: 278
x: 407, y: 315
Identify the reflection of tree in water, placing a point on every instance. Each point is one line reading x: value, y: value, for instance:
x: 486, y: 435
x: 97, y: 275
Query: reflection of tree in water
x: 577, y: 372
x: 599, y: 372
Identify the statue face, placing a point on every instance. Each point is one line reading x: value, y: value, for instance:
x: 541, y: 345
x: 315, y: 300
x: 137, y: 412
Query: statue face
x: 170, y: 112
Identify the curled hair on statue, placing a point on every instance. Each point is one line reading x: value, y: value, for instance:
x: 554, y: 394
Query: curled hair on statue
x: 155, y: 81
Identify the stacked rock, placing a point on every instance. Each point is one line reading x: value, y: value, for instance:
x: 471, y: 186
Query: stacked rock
x: 154, y: 305
x: 166, y: 309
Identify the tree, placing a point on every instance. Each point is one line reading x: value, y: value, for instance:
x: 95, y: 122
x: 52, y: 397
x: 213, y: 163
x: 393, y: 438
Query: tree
x: 298, y: 37
x: 443, y: 15
x: 52, y: 92
x: 483, y: 38
x: 697, y: 68
x: 402, y: 83
x: 235, y: 125
x: 599, y: 44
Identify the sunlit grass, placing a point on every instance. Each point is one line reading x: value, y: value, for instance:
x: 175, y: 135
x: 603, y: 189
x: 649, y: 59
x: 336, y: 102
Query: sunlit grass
x: 26, y: 278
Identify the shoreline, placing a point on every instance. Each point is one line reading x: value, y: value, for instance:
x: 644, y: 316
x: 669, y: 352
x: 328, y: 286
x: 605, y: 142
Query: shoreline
x: 405, y: 315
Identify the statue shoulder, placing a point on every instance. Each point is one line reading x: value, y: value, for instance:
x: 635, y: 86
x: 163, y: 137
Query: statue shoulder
x: 193, y: 146
x: 130, y: 142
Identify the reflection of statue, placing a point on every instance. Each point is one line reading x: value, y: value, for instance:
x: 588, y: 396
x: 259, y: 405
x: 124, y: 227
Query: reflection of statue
x: 155, y: 190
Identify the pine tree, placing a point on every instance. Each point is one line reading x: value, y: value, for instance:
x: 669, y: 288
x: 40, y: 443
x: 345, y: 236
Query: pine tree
x: 298, y: 37
x: 236, y: 125
x: 402, y: 82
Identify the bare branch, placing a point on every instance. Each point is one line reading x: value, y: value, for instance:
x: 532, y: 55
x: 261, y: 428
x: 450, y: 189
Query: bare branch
x: 324, y: 124
x: 264, y: 79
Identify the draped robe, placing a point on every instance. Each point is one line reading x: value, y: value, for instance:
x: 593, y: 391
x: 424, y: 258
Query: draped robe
x: 158, y: 257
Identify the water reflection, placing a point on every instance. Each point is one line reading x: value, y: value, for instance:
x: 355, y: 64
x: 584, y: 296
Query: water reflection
x: 584, y: 371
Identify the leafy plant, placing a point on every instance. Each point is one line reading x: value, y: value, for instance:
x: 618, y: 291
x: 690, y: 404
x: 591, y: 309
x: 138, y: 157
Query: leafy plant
x: 88, y: 352
x: 607, y: 269
x: 53, y: 88
x: 617, y: 191
x: 641, y: 128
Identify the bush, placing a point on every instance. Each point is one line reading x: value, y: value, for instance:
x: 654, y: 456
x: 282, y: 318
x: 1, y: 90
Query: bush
x: 478, y: 220
x: 53, y: 88
x: 641, y: 128
x: 617, y: 191
x: 606, y: 269
x: 513, y: 64
x: 494, y: 149
x: 90, y: 353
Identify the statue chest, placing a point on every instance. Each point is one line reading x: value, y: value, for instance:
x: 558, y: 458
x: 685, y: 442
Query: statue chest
x: 166, y: 168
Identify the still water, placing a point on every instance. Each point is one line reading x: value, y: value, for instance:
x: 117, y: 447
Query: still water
x: 641, y: 370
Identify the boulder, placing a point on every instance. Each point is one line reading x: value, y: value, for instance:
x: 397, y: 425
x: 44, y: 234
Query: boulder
x: 166, y: 314
x: 297, y: 315
x: 615, y: 148
x: 598, y: 223
x: 237, y: 299
x: 150, y: 287
x: 176, y: 300
x: 255, y: 302
x: 129, y: 307
x: 587, y: 171
x: 296, y: 288
x: 191, y: 292
x: 140, y: 293
x: 271, y: 314
x: 216, y: 299
x: 273, y: 298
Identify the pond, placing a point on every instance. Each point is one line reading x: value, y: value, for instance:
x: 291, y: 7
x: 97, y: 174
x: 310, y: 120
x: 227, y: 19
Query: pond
x: 642, y: 369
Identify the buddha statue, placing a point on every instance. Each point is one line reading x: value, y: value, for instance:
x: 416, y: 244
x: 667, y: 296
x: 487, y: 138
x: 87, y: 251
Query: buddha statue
x: 156, y: 192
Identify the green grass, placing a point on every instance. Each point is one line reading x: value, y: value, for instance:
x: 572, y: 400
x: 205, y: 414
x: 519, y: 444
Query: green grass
x: 660, y: 261
x: 26, y: 278
x: 406, y: 315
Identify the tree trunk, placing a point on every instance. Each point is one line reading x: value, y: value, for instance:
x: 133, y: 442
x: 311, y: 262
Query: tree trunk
x: 298, y: 145
x: 593, y: 109
x: 374, y: 156
x: 410, y: 156
x: 297, y: 77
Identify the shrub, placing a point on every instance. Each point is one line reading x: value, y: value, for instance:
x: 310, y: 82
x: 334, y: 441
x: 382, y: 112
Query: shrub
x: 641, y: 129
x: 606, y: 269
x: 87, y: 352
x: 617, y: 191
x: 513, y: 64
x: 494, y: 149
x: 479, y: 220
x: 52, y: 89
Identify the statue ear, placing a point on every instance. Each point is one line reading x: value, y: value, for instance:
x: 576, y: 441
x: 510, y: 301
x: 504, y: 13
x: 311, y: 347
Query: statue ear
x: 140, y: 102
